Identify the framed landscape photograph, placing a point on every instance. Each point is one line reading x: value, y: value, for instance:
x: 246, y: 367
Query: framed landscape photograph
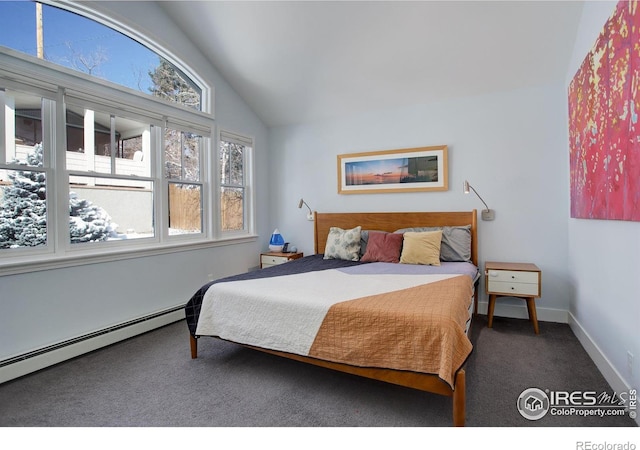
x: 403, y: 170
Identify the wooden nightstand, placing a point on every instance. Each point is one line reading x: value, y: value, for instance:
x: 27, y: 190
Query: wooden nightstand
x: 269, y: 259
x: 522, y: 280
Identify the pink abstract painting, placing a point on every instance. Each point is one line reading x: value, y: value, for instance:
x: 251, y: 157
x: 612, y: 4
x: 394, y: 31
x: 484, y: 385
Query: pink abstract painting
x: 604, y: 135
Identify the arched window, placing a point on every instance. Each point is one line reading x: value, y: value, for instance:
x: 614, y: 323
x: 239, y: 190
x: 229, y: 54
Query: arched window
x: 104, y: 145
x: 82, y: 44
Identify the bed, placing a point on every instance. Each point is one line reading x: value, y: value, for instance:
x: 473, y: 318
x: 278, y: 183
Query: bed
x: 398, y: 321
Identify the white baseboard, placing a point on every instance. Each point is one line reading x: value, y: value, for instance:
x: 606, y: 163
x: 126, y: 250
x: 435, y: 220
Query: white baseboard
x: 32, y: 364
x: 520, y: 312
x: 613, y: 377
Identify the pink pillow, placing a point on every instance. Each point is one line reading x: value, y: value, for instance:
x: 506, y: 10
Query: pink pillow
x: 383, y: 247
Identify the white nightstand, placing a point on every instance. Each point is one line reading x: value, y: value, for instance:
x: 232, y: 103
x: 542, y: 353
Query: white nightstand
x: 269, y: 259
x: 522, y: 280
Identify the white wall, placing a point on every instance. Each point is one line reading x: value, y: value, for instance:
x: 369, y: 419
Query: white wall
x: 604, y: 260
x: 510, y: 146
x: 46, y: 307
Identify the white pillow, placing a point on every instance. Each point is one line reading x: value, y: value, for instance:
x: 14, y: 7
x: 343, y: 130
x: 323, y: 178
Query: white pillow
x: 343, y: 244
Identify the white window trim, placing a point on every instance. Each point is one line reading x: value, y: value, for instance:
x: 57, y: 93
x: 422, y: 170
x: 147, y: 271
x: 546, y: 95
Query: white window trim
x: 35, y: 264
x: 203, y: 181
x: 249, y: 176
x: 43, y: 76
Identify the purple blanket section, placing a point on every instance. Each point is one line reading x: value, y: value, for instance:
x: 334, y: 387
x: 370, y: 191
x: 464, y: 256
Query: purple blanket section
x: 383, y: 268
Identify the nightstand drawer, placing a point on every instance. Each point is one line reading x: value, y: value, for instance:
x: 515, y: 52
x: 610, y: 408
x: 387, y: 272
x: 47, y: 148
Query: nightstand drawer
x: 508, y: 287
x: 268, y: 260
x: 513, y: 276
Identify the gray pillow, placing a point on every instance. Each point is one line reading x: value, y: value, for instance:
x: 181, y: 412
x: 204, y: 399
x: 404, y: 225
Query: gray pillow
x: 456, y: 242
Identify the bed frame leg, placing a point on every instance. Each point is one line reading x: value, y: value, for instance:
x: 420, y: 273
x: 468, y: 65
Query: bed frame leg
x: 459, y: 400
x: 194, y: 346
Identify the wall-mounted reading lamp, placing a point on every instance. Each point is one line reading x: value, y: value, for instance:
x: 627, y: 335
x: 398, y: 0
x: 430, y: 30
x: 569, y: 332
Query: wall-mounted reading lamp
x: 310, y: 214
x: 486, y: 214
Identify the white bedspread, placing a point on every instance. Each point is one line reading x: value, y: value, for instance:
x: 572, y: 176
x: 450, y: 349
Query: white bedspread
x: 284, y: 313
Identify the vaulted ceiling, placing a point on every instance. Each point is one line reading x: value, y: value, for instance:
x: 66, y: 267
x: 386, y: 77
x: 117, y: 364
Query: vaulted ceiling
x: 303, y: 61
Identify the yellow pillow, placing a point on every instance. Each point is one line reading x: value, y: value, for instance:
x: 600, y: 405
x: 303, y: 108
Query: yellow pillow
x: 421, y: 248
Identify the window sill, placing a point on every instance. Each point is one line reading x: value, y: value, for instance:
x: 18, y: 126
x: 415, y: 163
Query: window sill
x: 48, y: 262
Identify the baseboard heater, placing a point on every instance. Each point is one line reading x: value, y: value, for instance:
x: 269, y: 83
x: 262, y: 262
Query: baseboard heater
x: 32, y: 361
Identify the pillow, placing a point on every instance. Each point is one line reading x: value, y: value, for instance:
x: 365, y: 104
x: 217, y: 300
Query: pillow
x: 383, y: 247
x: 364, y: 240
x: 456, y: 242
x: 421, y: 248
x: 343, y: 244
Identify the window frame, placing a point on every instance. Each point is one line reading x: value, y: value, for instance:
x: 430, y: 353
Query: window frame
x: 204, y: 181
x: 26, y: 73
x: 49, y: 111
x: 92, y: 12
x: 248, y: 156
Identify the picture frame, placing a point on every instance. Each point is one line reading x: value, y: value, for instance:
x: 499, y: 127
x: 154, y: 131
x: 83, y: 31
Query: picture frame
x: 402, y: 170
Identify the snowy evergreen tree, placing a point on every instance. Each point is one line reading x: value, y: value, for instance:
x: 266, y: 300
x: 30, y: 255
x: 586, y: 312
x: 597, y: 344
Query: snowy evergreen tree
x: 23, y: 218
x: 170, y: 84
x: 88, y: 222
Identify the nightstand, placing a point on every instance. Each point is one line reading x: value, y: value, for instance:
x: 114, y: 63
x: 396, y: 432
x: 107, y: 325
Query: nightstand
x: 521, y: 280
x: 269, y: 259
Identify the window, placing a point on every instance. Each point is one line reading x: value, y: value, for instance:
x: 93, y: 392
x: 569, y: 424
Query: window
x: 118, y: 204
x: 234, y: 156
x: 24, y: 174
x: 91, y: 168
x: 131, y: 148
x: 87, y: 46
x: 182, y: 152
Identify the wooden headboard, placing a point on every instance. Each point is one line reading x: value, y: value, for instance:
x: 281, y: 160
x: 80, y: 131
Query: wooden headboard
x: 391, y: 221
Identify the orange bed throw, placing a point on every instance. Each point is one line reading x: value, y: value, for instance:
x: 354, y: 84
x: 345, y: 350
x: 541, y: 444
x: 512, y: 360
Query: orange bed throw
x: 420, y: 329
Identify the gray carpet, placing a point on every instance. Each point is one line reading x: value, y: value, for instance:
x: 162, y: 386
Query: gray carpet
x: 150, y: 381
